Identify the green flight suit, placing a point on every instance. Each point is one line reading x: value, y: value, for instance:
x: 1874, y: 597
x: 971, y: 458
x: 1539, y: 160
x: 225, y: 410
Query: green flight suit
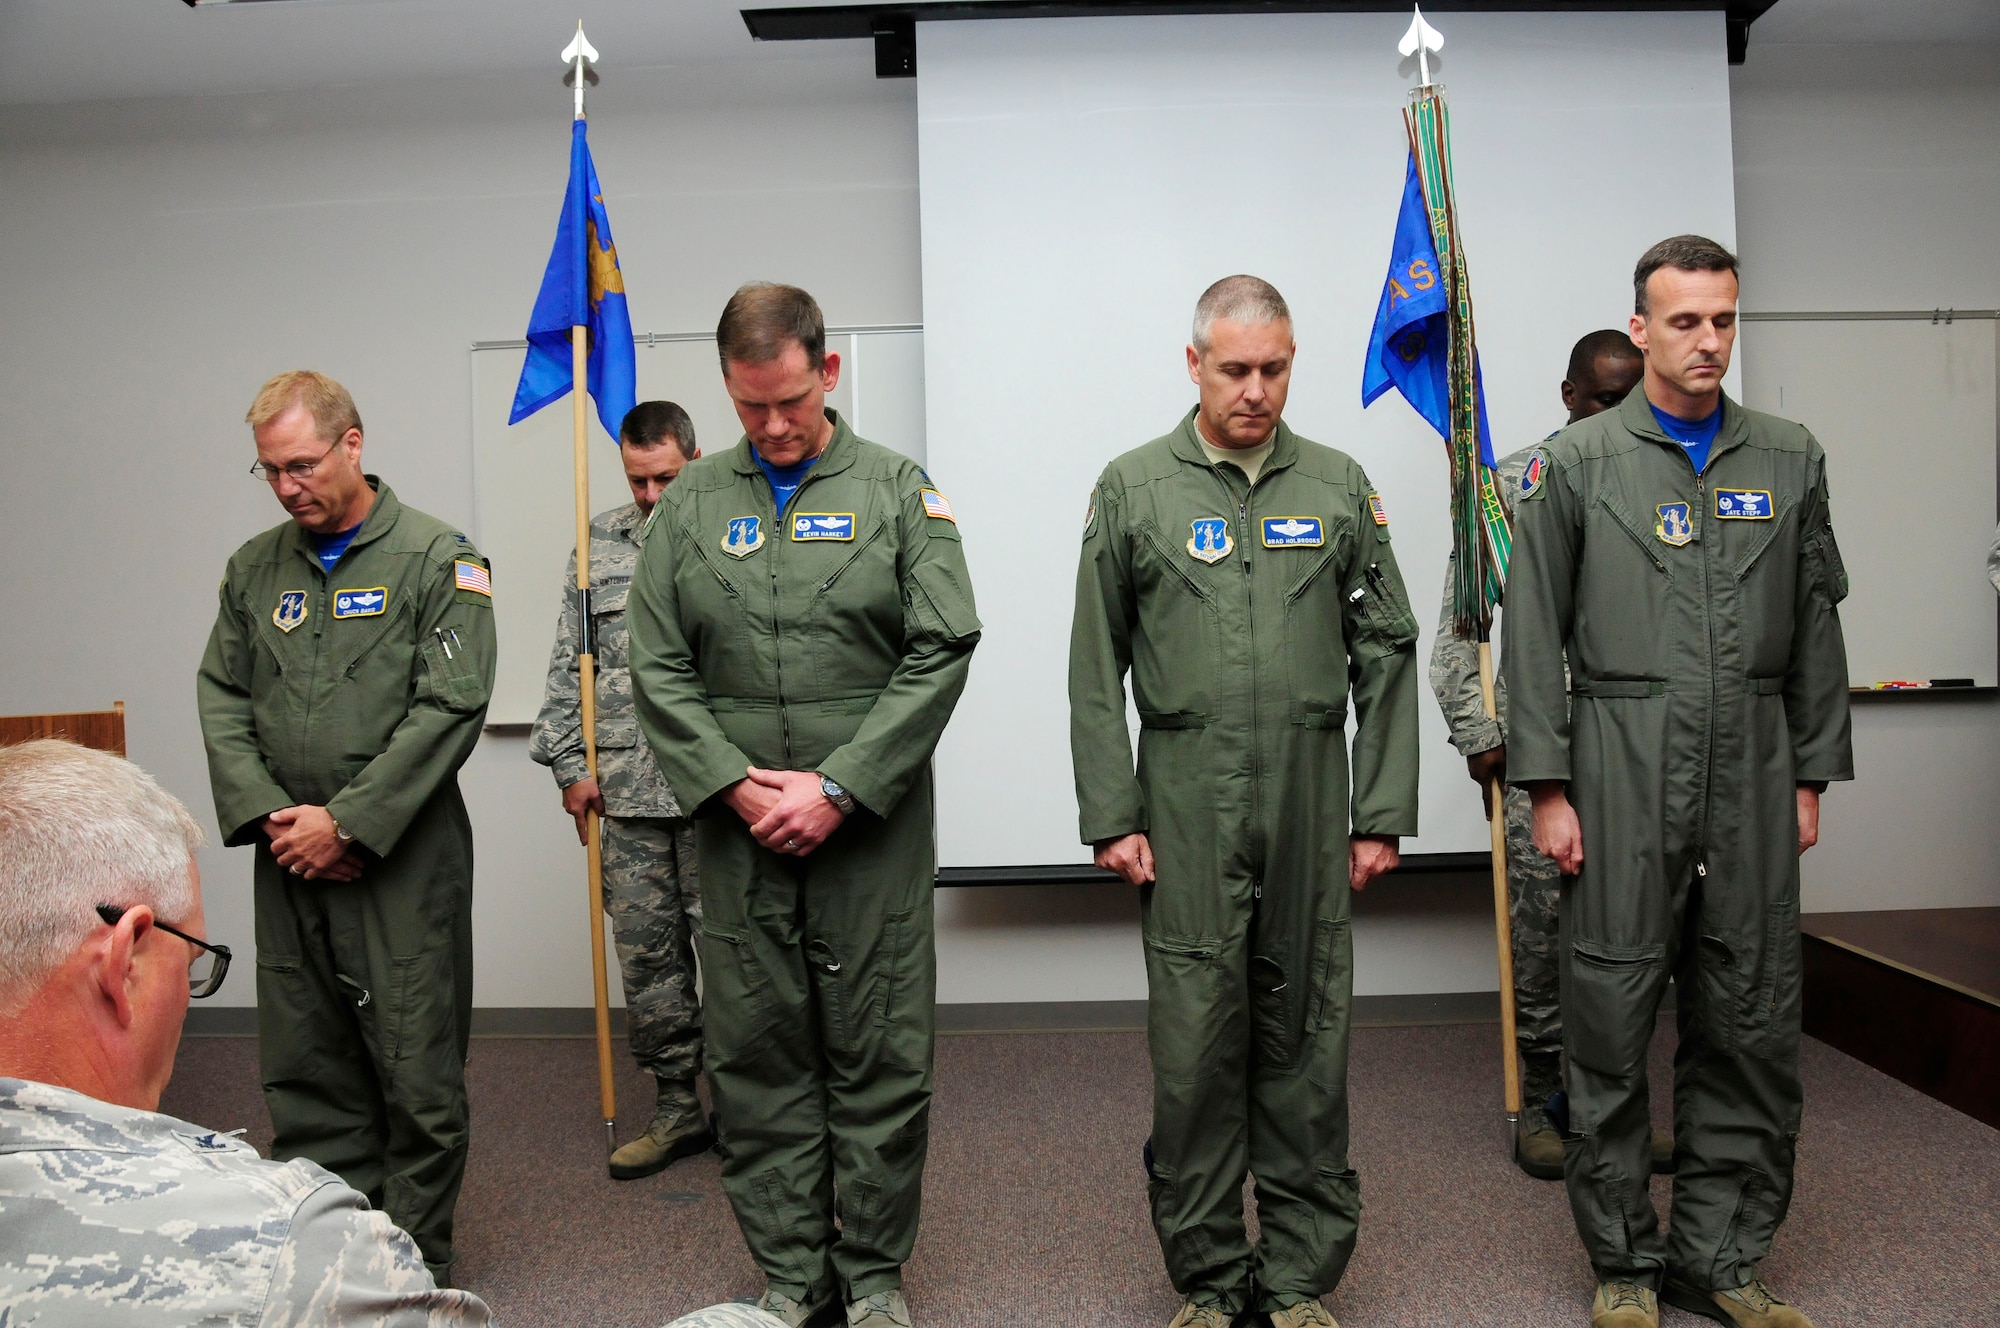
x: 361, y: 690
x: 1242, y: 612
x: 1709, y: 680
x: 834, y: 636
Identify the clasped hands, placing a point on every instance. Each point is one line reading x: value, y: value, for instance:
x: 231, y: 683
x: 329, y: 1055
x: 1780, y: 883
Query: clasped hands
x: 304, y: 843
x: 1131, y: 856
x: 786, y: 810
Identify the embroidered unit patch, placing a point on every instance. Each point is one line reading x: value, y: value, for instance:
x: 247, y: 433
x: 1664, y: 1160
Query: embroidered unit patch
x: 1676, y: 524
x: 1375, y: 508
x: 939, y: 506
x: 474, y: 577
x: 1743, y: 504
x: 369, y: 603
x: 1531, y: 478
x: 823, y: 525
x: 744, y: 537
x: 291, y: 610
x: 1285, y: 532
x: 1211, y: 542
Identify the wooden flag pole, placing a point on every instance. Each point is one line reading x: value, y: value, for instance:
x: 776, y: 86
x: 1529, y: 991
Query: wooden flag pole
x: 1503, y: 922
x: 586, y: 666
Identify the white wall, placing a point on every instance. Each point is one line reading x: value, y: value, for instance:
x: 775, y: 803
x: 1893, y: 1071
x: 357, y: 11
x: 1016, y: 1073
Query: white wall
x: 1868, y: 177
x: 159, y: 259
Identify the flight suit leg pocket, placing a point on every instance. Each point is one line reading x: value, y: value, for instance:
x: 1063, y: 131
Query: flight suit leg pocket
x: 1185, y: 1013
x: 1775, y: 1017
x: 1273, y: 1003
x: 1727, y: 988
x: 1336, y: 1223
x: 286, y: 1019
x: 1610, y: 994
x: 1185, y: 1244
x: 1332, y: 999
x: 736, y: 994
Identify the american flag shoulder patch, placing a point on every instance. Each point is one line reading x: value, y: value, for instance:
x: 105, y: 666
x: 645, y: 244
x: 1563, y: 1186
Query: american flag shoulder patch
x: 939, y: 506
x: 1375, y: 507
x: 472, y: 576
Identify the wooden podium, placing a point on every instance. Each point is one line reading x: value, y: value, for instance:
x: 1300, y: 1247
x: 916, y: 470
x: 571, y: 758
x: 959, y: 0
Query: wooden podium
x: 101, y: 729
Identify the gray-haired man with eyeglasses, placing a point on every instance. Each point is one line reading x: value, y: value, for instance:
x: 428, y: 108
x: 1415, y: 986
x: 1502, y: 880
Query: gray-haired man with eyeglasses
x: 112, y: 1214
x: 343, y: 687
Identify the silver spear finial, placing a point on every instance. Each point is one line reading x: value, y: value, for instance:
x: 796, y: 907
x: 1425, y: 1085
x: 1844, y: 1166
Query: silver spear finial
x: 1421, y: 40
x: 580, y: 56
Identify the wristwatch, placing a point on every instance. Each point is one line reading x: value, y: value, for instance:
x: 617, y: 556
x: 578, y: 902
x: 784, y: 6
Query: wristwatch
x: 837, y: 795
x: 342, y: 833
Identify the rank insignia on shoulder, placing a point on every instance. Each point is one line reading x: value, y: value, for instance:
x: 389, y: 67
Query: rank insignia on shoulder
x: 1676, y: 524
x: 468, y: 575
x: 1211, y: 542
x: 1286, y: 532
x: 206, y: 1143
x: 291, y: 610
x: 370, y: 603
x: 1743, y: 504
x: 939, y: 506
x: 1376, y: 510
x: 744, y: 537
x: 1536, y: 471
x: 823, y: 526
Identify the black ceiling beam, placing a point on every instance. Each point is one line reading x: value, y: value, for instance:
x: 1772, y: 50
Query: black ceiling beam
x: 892, y: 26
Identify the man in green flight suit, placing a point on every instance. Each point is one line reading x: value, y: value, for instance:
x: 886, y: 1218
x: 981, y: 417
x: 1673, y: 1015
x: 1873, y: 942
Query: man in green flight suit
x: 802, y: 623
x: 1243, y: 576
x: 1679, y: 550
x: 1604, y: 367
x: 344, y: 685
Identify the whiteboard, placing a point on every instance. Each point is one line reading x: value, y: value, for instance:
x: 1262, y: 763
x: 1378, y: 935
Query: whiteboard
x: 1907, y: 412
x: 524, y: 501
x: 1082, y: 180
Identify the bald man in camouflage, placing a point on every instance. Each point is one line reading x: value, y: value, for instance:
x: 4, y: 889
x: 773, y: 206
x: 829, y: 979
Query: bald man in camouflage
x: 1603, y: 367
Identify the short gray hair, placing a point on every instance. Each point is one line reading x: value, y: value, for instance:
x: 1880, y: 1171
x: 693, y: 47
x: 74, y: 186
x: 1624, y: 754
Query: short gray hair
x: 1239, y: 299
x: 79, y: 828
x: 1686, y: 253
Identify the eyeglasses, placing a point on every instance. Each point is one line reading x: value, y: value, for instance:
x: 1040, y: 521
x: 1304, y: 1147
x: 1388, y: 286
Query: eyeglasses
x: 296, y: 470
x: 209, y: 966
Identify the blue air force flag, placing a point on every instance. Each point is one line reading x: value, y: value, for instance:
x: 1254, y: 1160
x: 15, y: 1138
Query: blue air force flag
x: 1410, y: 346
x: 581, y: 288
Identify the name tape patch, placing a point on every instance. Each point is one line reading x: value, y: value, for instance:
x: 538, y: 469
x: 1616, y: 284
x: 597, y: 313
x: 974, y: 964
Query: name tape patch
x: 474, y: 577
x: 939, y: 506
x: 1743, y: 504
x: 369, y: 603
x: 1286, y: 532
x: 823, y: 526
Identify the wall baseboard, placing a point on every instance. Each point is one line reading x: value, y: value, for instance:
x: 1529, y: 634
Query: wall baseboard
x: 1456, y: 1007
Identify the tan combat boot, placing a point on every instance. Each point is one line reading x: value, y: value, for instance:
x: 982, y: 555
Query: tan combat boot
x: 1537, y: 1147
x: 884, y: 1309
x: 676, y: 1132
x: 1661, y: 1146
x: 1305, y: 1314
x: 1624, y: 1305
x: 1749, y: 1306
x: 792, y: 1313
x: 1202, y: 1316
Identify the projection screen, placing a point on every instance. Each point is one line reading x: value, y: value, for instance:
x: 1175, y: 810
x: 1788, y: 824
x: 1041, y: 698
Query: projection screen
x: 1083, y: 180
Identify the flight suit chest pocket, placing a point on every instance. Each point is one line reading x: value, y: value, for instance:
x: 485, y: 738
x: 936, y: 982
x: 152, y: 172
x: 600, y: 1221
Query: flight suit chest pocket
x: 1623, y: 589
x: 1168, y: 580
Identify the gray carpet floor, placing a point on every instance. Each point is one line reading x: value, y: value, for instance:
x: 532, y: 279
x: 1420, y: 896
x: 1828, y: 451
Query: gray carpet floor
x: 1035, y: 1214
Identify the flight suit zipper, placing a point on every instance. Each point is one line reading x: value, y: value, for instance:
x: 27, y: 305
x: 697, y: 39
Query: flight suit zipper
x: 1708, y: 620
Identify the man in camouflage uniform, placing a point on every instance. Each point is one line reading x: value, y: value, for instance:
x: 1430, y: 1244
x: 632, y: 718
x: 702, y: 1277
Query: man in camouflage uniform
x: 1603, y: 367
x: 110, y: 1214
x: 651, y: 884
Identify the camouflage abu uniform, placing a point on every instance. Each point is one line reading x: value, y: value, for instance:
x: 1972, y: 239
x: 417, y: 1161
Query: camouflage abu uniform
x: 1534, y: 883
x: 651, y: 882
x: 111, y: 1216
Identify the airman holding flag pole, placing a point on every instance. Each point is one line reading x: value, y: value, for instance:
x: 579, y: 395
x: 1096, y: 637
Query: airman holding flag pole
x: 1423, y: 346
x: 582, y: 303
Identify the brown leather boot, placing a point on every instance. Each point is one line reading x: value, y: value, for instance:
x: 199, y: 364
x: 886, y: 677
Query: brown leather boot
x: 1749, y: 1306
